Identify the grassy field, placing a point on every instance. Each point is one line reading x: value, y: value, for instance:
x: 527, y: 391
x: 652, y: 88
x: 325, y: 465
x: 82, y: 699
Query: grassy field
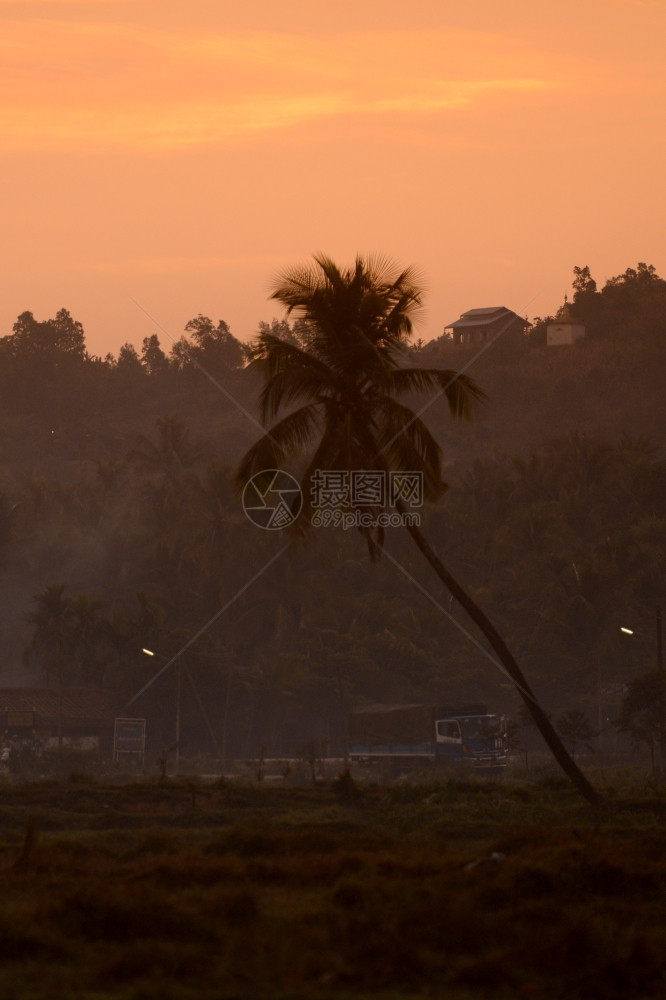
x: 176, y: 889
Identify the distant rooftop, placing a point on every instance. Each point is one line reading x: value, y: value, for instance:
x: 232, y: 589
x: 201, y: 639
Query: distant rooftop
x: 483, y: 312
x: 77, y: 705
x: 482, y: 317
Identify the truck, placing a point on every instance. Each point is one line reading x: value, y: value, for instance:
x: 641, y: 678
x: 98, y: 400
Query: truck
x: 400, y: 736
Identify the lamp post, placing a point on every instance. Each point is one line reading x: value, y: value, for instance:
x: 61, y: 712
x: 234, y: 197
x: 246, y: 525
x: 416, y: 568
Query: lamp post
x: 149, y: 652
x: 644, y: 635
x: 162, y: 670
x: 660, y: 667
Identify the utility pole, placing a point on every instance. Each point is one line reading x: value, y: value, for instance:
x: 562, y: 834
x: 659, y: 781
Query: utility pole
x: 660, y: 650
x: 177, y: 759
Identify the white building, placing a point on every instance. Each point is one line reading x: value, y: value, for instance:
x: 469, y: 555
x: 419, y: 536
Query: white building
x: 564, y: 329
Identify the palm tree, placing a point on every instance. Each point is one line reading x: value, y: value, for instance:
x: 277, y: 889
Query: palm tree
x: 93, y: 642
x: 52, y: 638
x: 341, y: 385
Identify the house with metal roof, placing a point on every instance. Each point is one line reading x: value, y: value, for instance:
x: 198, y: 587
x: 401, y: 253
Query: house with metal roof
x: 479, y: 326
x: 78, y: 717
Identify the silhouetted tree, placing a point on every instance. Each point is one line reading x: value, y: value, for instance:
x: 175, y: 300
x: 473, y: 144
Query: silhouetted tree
x: 54, y: 339
x: 643, y: 712
x: 576, y: 730
x: 347, y: 378
x: 153, y: 358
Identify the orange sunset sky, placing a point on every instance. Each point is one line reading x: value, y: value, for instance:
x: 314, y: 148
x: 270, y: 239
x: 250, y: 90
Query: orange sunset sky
x: 181, y: 153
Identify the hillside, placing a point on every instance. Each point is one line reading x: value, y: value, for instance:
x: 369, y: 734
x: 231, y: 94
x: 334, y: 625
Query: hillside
x: 117, y: 503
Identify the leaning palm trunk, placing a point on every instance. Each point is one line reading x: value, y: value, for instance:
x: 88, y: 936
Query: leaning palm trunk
x: 342, y: 383
x: 507, y: 660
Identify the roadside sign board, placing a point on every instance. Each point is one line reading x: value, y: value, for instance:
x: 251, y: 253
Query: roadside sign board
x: 20, y: 720
x: 129, y: 736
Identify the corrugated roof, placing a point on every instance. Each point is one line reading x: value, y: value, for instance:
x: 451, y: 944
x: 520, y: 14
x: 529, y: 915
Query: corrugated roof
x: 379, y: 709
x: 80, y: 706
x: 484, y: 310
x: 483, y: 317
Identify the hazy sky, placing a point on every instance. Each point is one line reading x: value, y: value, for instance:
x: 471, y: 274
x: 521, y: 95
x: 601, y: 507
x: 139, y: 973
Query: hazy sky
x: 180, y: 153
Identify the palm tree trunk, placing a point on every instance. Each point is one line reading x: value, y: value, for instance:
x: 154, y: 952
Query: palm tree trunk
x: 60, y: 709
x: 507, y: 660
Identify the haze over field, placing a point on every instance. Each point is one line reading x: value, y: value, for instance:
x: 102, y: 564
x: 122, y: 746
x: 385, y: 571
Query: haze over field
x: 181, y: 154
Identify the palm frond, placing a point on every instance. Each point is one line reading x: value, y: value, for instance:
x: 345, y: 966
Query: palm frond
x: 295, y: 286
x: 374, y: 291
x: 271, y: 354
x: 285, y: 388
x: 289, y: 436
x: 290, y: 373
x: 407, y: 445
x: 460, y: 390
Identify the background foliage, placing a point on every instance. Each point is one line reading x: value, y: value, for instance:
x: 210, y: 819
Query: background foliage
x: 117, y: 507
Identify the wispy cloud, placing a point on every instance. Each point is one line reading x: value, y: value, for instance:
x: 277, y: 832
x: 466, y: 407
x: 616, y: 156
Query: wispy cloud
x: 182, y: 264
x: 78, y: 85
x: 28, y: 4
x: 179, y: 123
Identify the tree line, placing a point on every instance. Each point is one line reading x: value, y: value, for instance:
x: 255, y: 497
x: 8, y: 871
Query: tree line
x: 121, y: 529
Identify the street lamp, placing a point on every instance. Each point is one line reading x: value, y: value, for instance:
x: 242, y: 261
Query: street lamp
x: 660, y: 667
x: 149, y: 652
x: 644, y: 635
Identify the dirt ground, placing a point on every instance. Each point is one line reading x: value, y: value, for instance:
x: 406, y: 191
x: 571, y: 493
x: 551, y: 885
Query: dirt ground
x: 179, y: 889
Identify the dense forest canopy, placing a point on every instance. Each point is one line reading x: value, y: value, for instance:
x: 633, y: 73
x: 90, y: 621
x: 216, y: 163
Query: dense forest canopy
x: 120, y: 528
